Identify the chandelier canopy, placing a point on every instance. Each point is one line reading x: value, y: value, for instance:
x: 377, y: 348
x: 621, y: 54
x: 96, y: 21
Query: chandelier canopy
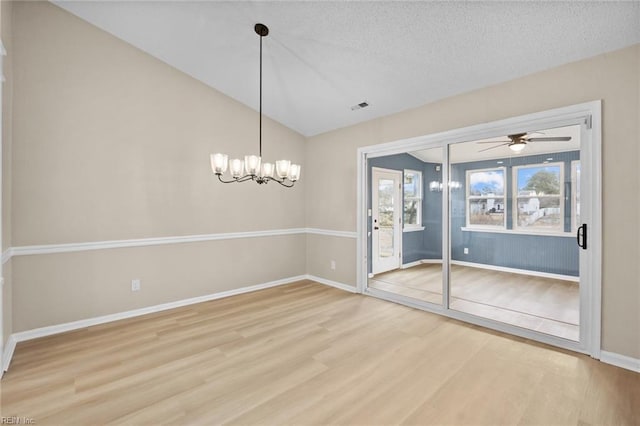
x: 252, y: 168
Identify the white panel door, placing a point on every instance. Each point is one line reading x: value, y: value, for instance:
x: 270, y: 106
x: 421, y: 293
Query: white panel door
x: 386, y: 219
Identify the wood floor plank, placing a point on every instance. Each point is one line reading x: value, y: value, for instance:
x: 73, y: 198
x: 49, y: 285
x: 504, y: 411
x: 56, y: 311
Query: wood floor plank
x: 308, y: 354
x: 542, y: 304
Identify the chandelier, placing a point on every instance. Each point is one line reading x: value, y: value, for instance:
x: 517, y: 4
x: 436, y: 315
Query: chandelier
x: 252, y: 168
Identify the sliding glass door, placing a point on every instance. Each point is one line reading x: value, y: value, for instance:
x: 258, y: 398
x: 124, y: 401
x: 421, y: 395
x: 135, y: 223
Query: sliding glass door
x: 494, y: 227
x: 513, y: 223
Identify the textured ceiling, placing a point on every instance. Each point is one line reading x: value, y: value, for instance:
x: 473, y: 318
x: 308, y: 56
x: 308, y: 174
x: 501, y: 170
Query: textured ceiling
x: 322, y: 57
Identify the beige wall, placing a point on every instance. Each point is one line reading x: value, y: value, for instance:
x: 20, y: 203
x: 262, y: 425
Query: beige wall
x: 58, y: 288
x: 322, y: 249
x: 612, y: 77
x: 7, y: 112
x: 122, y: 142
x: 6, y: 12
x: 110, y: 143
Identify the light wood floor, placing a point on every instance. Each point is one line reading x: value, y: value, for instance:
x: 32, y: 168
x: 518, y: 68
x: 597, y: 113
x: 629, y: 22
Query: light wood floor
x: 542, y: 304
x: 309, y: 354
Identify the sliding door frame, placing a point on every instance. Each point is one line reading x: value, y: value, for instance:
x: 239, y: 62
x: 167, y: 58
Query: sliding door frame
x: 589, y: 116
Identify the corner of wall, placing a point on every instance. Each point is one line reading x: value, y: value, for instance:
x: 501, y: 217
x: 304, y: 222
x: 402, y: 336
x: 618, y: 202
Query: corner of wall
x: 6, y: 108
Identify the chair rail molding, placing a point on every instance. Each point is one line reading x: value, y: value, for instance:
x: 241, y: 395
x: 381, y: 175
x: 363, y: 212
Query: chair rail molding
x: 142, y: 242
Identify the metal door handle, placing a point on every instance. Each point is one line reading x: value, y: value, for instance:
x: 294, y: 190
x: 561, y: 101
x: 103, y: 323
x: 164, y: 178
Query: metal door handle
x: 581, y: 236
x: 375, y: 228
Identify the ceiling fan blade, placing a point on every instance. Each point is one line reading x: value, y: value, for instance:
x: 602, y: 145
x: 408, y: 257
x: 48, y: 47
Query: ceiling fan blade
x: 551, y: 139
x: 494, y: 147
x: 495, y: 142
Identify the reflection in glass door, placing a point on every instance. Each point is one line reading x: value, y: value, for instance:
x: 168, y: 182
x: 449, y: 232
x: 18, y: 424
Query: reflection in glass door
x: 386, y: 220
x: 514, y: 210
x: 418, y: 275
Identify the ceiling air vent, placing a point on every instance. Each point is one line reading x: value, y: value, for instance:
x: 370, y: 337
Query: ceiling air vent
x: 360, y: 106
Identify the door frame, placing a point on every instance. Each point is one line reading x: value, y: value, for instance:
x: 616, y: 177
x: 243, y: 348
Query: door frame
x: 3, y: 53
x: 397, y: 209
x: 589, y: 116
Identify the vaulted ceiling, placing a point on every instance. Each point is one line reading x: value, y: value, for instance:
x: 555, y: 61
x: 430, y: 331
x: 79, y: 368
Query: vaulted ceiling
x: 321, y: 58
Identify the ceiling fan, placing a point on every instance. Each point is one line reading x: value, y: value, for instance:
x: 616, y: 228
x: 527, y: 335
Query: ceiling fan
x: 518, y: 141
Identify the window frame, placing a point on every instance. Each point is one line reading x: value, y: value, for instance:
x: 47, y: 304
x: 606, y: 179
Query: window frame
x: 560, y: 197
x: 418, y: 225
x: 575, y: 184
x: 468, y: 198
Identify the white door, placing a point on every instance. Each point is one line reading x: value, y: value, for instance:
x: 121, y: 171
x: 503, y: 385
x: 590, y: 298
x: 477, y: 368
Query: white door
x: 386, y: 219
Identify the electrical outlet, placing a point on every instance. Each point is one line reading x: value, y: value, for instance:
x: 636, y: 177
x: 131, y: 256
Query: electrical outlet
x: 135, y: 285
x: 333, y: 265
x: 466, y: 250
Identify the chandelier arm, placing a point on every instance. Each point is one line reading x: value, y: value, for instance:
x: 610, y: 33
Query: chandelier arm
x: 225, y: 181
x: 245, y: 178
x: 234, y: 180
x: 258, y: 179
x: 282, y: 182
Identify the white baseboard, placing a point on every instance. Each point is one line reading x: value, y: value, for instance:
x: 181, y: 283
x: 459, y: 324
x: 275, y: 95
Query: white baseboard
x: 612, y: 358
x: 75, y: 325
x: 517, y: 271
x: 341, y: 286
x: 621, y: 361
x: 420, y: 262
x: 7, y: 354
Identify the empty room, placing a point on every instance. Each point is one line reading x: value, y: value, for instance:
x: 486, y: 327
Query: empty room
x: 310, y: 212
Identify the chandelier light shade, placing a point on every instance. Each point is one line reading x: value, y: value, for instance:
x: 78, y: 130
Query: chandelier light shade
x: 252, y: 168
x: 435, y: 186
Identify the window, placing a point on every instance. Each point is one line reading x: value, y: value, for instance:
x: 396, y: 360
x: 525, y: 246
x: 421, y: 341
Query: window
x: 538, y: 201
x: 485, y: 198
x: 412, y: 199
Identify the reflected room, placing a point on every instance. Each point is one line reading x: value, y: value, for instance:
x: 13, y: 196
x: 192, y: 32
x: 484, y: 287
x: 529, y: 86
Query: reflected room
x: 514, y: 211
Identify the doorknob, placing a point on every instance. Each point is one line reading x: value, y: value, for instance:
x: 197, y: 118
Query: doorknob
x: 375, y: 228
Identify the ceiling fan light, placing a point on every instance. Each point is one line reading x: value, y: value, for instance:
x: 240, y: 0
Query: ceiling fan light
x: 517, y: 147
